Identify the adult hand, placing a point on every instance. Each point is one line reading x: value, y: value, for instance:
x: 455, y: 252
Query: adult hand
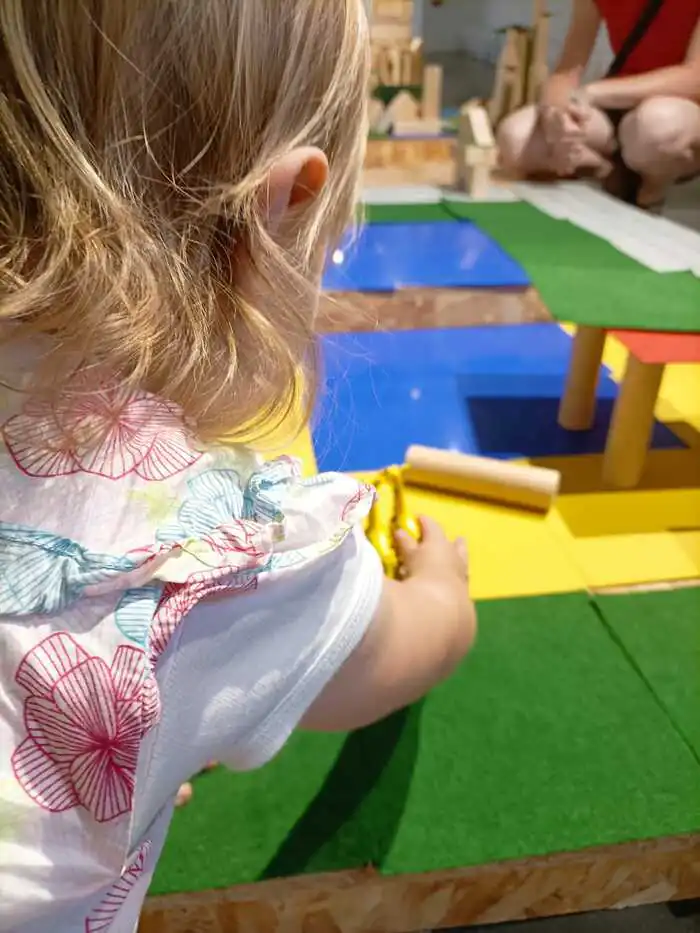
x: 565, y: 129
x: 561, y: 124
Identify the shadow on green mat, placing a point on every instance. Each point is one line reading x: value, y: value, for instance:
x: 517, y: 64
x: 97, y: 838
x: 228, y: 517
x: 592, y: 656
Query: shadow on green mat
x: 366, y: 789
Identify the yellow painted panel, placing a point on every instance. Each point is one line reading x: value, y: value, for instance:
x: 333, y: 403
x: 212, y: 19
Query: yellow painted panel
x: 628, y: 560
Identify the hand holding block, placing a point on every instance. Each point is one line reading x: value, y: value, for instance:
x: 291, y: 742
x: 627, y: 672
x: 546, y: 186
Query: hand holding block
x: 528, y: 487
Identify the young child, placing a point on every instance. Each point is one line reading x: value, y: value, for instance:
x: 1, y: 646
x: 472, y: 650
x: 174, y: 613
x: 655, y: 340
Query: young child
x: 171, y: 176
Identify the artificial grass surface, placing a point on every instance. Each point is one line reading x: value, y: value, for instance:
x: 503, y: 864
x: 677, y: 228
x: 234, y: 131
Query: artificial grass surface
x: 581, y: 278
x: 546, y: 740
x: 661, y: 634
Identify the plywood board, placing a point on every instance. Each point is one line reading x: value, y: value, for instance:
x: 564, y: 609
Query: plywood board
x: 363, y: 901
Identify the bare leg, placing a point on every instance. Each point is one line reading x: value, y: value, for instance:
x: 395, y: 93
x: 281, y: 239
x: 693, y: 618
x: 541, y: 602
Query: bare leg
x: 184, y: 794
x: 660, y: 139
x: 523, y: 148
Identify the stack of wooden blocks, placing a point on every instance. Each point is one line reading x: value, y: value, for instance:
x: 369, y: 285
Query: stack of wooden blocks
x: 476, y: 150
x: 522, y: 65
x: 397, y: 64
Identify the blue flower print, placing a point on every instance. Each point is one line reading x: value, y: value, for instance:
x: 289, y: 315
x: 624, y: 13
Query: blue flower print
x: 42, y: 573
x: 135, y: 612
x: 213, y: 498
x: 267, y: 489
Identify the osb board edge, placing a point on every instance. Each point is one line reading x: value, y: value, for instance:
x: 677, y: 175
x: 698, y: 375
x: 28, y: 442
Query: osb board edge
x: 363, y: 901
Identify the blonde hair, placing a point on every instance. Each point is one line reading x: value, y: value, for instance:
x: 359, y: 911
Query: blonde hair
x: 136, y: 139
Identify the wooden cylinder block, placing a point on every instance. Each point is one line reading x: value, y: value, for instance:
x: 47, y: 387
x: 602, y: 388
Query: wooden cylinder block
x: 528, y: 487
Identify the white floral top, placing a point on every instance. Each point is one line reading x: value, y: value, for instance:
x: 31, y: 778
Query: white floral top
x: 160, y: 605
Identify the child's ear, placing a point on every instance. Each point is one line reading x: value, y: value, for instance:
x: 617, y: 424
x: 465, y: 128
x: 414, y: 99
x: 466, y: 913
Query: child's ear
x: 297, y: 177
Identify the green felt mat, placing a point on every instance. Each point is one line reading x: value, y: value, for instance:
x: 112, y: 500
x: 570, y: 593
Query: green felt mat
x: 546, y: 740
x: 581, y: 278
x: 660, y: 632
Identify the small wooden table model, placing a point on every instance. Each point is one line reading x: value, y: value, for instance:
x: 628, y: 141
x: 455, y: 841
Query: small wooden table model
x: 633, y: 416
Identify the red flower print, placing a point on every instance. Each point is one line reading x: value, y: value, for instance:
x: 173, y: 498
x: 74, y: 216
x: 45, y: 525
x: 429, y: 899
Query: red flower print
x: 102, y: 918
x: 107, y: 433
x: 179, y: 598
x: 240, y: 537
x: 84, y: 722
x: 364, y: 492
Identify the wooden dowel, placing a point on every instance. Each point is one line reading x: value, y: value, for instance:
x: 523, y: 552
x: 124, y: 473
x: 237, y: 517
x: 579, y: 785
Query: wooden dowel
x: 577, y: 408
x: 632, y: 424
x: 526, y: 486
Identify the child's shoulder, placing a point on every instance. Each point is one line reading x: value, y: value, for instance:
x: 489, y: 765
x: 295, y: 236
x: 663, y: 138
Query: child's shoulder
x: 111, y: 491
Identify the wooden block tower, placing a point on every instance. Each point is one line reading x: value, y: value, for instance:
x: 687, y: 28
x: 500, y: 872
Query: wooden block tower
x: 391, y: 34
x: 397, y: 65
x: 522, y: 65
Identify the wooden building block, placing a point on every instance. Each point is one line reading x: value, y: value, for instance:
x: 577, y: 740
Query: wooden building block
x: 406, y: 66
x: 476, y: 150
x: 376, y: 114
x: 475, y: 127
x: 538, y: 70
x: 403, y: 107
x: 519, y: 89
x: 432, y: 93
x: 394, y: 56
x: 404, y: 128
x: 509, y: 92
x: 416, y: 49
x: 478, y: 163
x: 390, y: 33
x: 632, y: 424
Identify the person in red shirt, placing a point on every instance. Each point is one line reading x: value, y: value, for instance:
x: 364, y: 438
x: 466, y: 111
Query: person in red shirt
x: 654, y: 102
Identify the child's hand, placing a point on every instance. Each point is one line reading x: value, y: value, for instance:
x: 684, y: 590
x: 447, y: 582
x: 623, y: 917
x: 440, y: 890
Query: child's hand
x: 434, y: 556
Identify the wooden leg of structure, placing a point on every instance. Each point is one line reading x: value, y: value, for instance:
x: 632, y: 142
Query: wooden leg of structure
x: 632, y: 424
x: 577, y: 408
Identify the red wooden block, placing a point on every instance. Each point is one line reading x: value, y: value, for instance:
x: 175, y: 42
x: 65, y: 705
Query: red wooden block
x: 656, y: 347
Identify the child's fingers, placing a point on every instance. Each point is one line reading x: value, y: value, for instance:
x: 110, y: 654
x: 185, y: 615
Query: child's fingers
x: 461, y: 548
x: 406, y: 545
x: 462, y: 554
x: 431, y: 531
